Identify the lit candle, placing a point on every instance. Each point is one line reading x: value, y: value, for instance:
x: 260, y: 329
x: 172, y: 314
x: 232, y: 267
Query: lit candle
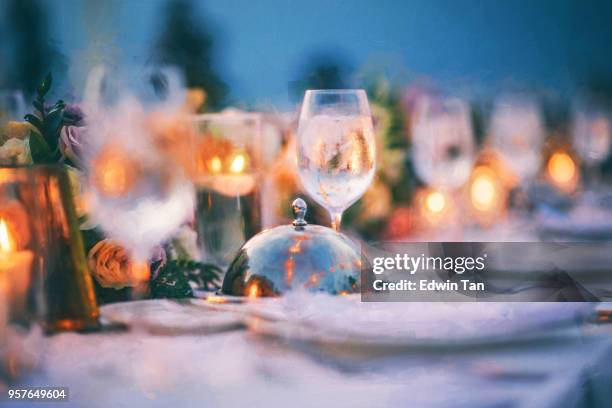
x: 253, y: 291
x: 562, y: 171
x: 115, y: 173
x: 15, y: 269
x: 435, y: 202
x: 237, y: 165
x: 234, y: 180
x: 434, y: 207
x: 487, y: 195
x: 215, y: 165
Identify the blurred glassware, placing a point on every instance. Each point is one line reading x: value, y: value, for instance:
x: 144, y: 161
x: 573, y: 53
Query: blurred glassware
x: 12, y: 106
x: 442, y: 141
x: 135, y: 157
x: 227, y: 169
x: 591, y: 132
x: 153, y: 86
x: 336, y: 148
x: 517, y: 134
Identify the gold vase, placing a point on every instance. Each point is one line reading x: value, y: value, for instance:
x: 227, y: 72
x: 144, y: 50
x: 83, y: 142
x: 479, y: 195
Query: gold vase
x: 68, y: 297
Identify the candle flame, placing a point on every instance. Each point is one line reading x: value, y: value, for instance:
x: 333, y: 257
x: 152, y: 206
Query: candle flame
x: 483, y: 191
x: 114, y: 177
x: 5, y: 240
x: 561, y: 168
x: 215, y: 164
x: 115, y: 173
x: 253, y: 291
x: 435, y: 202
x: 238, y: 163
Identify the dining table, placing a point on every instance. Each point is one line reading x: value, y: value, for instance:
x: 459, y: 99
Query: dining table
x: 218, y: 352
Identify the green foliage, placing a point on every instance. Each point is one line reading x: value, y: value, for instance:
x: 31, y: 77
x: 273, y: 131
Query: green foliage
x: 174, y: 278
x: 186, y: 44
x: 48, y: 121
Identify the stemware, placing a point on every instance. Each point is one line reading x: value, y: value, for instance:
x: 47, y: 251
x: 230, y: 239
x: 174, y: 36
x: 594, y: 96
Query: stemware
x: 591, y: 133
x: 517, y: 134
x: 336, y: 148
x: 442, y: 142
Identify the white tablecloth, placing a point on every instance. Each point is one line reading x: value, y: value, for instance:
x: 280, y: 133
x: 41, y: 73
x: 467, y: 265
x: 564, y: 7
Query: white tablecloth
x: 237, y: 367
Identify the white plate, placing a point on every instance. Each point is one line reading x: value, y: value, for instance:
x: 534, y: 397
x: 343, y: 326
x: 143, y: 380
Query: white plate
x: 169, y: 317
x: 324, y: 319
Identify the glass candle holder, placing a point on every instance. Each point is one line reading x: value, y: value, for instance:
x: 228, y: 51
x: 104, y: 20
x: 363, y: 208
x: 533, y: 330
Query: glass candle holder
x: 227, y: 163
x: 40, y: 218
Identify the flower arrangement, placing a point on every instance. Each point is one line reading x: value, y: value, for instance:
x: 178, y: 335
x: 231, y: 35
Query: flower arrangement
x: 55, y: 134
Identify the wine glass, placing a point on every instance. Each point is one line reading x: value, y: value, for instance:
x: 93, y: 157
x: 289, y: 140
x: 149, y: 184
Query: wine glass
x: 591, y: 133
x: 336, y: 148
x: 517, y: 134
x: 442, y: 142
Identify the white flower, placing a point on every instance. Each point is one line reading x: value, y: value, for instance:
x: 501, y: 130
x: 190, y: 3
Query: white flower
x: 15, y: 151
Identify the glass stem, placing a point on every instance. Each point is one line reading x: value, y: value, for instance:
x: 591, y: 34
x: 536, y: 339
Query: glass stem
x: 336, y: 219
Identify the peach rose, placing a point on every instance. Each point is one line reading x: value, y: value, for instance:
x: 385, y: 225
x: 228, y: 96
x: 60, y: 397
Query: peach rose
x: 18, y: 130
x: 15, y: 152
x: 112, y: 267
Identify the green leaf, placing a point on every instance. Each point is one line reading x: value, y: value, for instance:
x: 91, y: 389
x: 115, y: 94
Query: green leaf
x: 38, y: 104
x: 35, y: 121
x: 59, y: 105
x: 39, y: 149
x: 91, y: 237
x: 45, y: 85
x: 52, y: 126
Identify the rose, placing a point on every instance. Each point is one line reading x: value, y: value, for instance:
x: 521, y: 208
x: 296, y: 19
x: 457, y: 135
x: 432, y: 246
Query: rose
x: 17, y: 130
x: 71, y: 143
x: 112, y: 267
x: 73, y: 115
x: 15, y: 151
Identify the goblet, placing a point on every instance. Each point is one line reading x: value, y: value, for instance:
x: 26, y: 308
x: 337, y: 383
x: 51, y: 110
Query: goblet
x: 591, y: 136
x: 443, y: 142
x: 336, y: 148
x: 517, y: 133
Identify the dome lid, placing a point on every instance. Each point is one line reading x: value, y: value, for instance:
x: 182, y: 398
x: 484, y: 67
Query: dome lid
x: 297, y: 256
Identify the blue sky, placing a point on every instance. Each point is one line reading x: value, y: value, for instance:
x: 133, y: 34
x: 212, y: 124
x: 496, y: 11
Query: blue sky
x: 260, y: 45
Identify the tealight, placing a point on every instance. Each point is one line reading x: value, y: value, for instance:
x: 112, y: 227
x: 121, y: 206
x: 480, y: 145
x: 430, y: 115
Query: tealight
x: 487, y: 195
x: 562, y: 171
